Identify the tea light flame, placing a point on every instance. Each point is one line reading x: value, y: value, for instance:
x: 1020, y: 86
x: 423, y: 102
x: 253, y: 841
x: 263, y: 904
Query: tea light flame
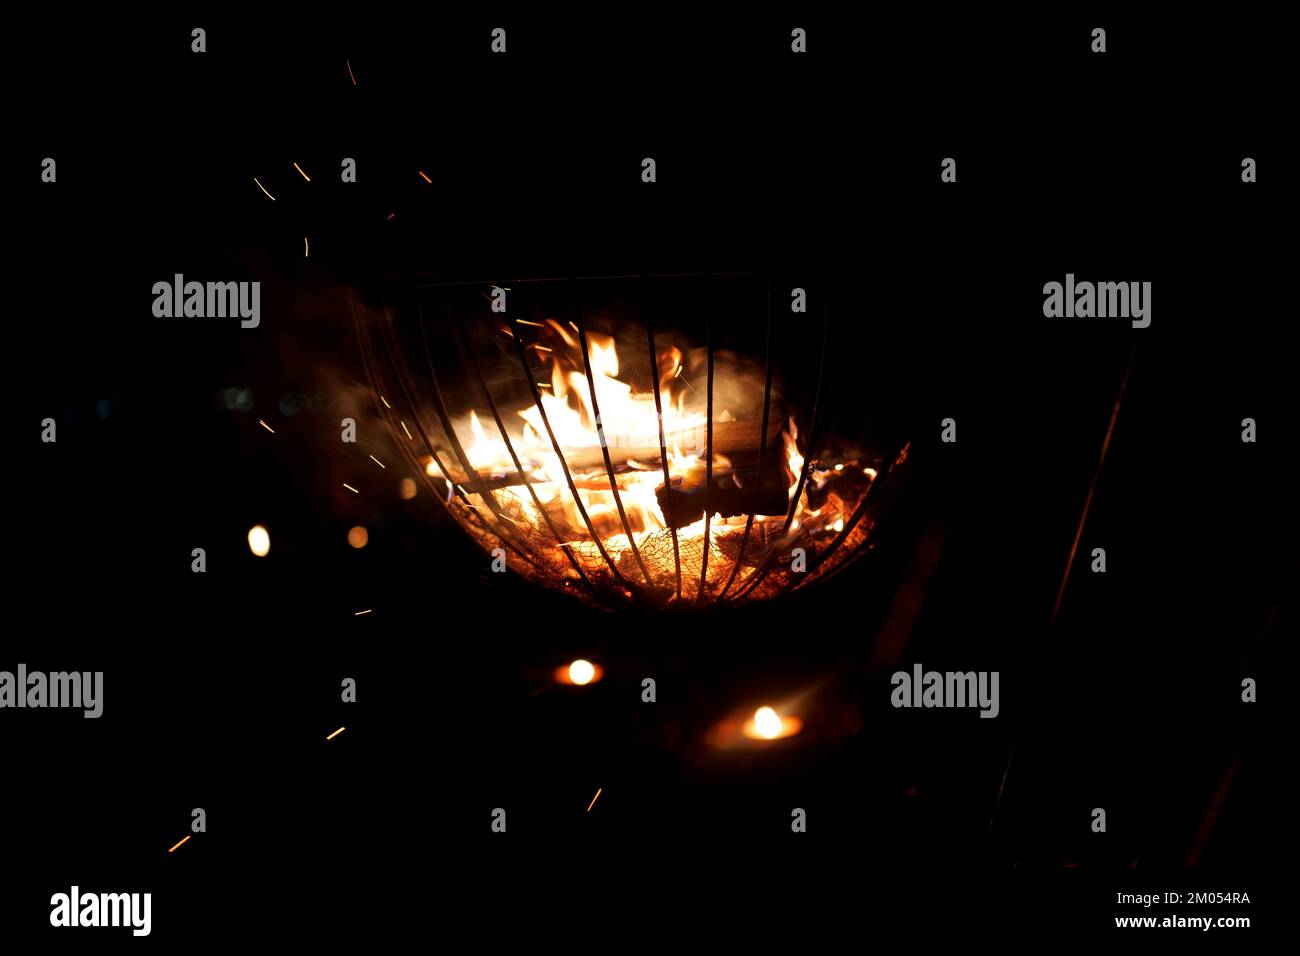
x: 581, y: 672
x: 259, y: 540
x: 767, y: 723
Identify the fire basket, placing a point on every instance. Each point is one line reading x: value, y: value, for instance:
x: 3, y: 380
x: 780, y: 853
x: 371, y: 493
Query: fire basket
x: 656, y: 439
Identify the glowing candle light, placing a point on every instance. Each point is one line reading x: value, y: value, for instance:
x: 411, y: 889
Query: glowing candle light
x: 767, y: 724
x: 259, y: 540
x: 580, y: 673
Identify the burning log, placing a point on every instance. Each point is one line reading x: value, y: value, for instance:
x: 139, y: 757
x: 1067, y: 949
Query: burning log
x: 736, y: 440
x: 729, y: 438
x: 684, y: 504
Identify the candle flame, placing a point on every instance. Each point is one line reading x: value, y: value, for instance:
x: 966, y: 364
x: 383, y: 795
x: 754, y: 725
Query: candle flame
x: 767, y: 723
x: 259, y: 540
x: 581, y: 672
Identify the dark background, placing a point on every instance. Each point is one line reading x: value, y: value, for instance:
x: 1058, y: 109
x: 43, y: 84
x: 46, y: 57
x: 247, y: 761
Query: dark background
x: 220, y: 688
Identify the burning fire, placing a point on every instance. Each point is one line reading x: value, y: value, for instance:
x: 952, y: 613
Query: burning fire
x: 631, y: 526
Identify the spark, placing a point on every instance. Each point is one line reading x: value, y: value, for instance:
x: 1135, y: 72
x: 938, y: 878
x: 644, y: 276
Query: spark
x: 266, y: 426
x: 506, y: 329
x: 541, y: 348
x: 426, y: 178
x: 378, y: 462
x: 305, y: 250
x: 528, y: 322
x: 350, y: 73
x: 593, y: 799
x: 366, y: 611
x: 390, y: 216
x: 304, y: 175
x: 336, y: 733
x: 574, y: 325
x: 350, y: 488
x: 263, y: 188
x: 545, y: 385
x: 385, y: 401
x: 407, y: 430
x: 178, y: 845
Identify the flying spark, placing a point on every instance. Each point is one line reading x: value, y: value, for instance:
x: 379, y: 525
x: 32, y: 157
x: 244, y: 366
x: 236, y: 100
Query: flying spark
x: 378, y: 462
x: 407, y: 430
x: 330, y: 737
x: 426, y: 178
x: 304, y: 175
x: 593, y: 799
x: 266, y: 426
x: 350, y: 488
x: 178, y: 845
x: 263, y: 188
x: 350, y: 73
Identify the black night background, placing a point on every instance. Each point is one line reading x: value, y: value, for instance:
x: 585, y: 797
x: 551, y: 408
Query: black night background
x: 220, y: 687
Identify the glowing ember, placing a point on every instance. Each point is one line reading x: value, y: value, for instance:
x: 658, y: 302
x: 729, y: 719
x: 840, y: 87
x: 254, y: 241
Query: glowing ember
x: 259, y: 540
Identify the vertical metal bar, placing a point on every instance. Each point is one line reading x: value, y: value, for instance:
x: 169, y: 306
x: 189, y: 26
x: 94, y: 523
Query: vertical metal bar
x: 762, y: 447
x: 604, y: 448
x: 708, y: 446
x: 371, y: 364
x: 505, y: 437
x: 756, y: 578
x: 858, y: 512
x: 559, y: 453
x: 449, y: 430
x: 433, y: 451
x: 663, y: 448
